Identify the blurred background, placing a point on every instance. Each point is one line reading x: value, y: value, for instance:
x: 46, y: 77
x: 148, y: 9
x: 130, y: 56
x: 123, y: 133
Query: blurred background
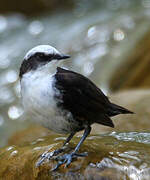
x: 108, y: 40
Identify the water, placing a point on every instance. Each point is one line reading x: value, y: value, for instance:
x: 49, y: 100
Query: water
x: 96, y: 35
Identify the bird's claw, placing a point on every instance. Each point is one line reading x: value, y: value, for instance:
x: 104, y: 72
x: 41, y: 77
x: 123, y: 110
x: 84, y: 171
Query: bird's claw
x: 67, y: 159
x: 48, y: 155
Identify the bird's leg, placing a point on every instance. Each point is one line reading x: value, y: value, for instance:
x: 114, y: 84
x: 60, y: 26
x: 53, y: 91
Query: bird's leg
x: 67, y: 158
x: 49, y: 155
x: 69, y: 138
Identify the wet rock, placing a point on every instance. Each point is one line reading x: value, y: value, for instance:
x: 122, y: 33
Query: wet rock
x: 105, y: 174
x: 28, y: 135
x: 114, y: 156
x: 137, y: 101
x: 134, y: 71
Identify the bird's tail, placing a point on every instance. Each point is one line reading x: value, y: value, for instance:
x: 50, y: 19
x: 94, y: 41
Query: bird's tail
x: 115, y: 110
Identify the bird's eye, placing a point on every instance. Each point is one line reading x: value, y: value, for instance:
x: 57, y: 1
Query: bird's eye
x: 40, y: 55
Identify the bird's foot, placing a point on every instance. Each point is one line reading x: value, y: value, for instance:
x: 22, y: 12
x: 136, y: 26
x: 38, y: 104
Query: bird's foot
x: 48, y: 155
x: 67, y: 159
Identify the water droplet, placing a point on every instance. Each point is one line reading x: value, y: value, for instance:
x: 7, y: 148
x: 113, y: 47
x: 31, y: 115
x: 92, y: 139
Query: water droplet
x: 35, y: 28
x: 11, y: 76
x: 37, y: 148
x: 111, y: 153
x: 91, y: 31
x: 14, y: 153
x: 40, y: 139
x: 15, y: 112
x: 10, y: 148
x: 119, y: 35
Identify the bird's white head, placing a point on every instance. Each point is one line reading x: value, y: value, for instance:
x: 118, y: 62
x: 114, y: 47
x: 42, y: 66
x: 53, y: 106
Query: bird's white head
x: 39, y: 56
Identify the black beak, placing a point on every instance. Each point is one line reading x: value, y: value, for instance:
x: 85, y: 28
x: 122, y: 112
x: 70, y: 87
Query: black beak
x: 62, y: 56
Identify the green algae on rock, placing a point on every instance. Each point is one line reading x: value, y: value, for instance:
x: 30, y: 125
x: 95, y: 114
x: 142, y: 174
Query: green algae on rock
x: 114, y: 156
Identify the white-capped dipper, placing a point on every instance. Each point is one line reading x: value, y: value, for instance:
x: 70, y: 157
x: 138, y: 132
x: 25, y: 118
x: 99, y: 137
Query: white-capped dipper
x: 62, y: 100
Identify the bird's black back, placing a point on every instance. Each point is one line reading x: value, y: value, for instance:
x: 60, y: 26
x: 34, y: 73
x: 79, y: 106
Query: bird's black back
x: 84, y: 99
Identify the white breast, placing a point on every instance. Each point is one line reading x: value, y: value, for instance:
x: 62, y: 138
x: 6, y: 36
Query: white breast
x: 38, y: 100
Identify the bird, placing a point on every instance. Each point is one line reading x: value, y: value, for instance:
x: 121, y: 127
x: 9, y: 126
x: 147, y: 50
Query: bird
x: 62, y: 100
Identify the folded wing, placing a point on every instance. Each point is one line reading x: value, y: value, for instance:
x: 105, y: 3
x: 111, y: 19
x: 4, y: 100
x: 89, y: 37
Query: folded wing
x: 83, y: 98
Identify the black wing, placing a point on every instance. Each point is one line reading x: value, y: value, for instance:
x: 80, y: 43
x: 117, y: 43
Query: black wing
x: 82, y: 98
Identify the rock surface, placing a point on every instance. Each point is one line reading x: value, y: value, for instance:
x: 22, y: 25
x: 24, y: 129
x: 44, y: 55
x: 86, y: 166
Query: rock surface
x: 137, y: 101
x: 115, y: 156
x: 134, y: 71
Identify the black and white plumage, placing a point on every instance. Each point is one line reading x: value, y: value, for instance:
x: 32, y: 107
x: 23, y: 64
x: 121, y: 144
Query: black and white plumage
x: 62, y: 100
